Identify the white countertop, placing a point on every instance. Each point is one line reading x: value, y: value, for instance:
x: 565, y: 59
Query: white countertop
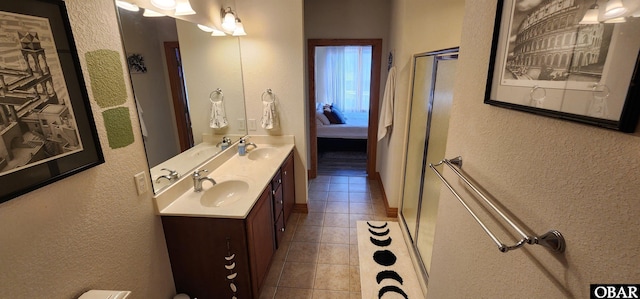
x: 257, y: 173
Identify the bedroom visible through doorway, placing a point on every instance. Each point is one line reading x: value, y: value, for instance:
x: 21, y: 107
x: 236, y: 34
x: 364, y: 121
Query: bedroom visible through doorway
x: 343, y: 81
x: 344, y: 85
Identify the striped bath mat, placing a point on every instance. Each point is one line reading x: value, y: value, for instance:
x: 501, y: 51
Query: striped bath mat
x: 386, y: 270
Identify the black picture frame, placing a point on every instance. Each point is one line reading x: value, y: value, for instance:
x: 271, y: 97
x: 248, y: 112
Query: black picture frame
x: 537, y: 58
x: 47, y: 131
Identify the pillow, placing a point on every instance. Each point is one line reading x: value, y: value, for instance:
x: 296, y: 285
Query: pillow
x: 334, y: 115
x: 339, y: 115
x: 322, y: 118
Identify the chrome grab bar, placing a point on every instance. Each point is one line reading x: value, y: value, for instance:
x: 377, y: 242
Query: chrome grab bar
x: 552, y: 239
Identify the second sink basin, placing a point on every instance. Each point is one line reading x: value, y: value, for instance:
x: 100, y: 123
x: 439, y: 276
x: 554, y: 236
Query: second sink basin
x: 224, y: 193
x: 262, y: 153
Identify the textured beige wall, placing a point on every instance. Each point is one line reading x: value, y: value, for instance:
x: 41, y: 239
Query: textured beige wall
x: 91, y: 230
x: 416, y: 27
x: 551, y: 174
x: 272, y: 57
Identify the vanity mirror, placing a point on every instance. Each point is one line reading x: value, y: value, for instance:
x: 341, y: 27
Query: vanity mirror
x: 178, y: 72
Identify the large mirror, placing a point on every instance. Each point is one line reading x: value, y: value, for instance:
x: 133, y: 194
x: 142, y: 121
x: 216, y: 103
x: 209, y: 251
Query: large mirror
x: 179, y: 73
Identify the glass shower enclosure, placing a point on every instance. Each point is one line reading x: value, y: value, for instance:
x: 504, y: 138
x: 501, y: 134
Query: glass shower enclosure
x: 431, y: 101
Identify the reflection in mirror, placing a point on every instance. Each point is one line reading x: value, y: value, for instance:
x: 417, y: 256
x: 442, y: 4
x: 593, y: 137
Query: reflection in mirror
x: 175, y: 70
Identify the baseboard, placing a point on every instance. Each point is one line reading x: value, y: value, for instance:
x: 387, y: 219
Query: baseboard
x: 391, y: 212
x: 300, y: 208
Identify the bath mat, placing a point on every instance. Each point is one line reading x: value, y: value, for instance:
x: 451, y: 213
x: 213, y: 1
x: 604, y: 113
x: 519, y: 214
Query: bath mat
x: 386, y: 270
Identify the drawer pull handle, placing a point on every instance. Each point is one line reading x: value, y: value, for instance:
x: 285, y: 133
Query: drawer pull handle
x: 273, y: 192
x: 282, y: 229
x: 281, y: 202
x: 285, y: 172
x: 280, y: 181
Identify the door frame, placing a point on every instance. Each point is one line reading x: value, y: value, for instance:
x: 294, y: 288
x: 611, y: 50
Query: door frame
x: 374, y: 98
x: 178, y: 95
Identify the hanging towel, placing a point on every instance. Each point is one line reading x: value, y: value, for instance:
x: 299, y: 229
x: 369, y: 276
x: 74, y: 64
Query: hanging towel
x: 386, y: 114
x: 143, y: 127
x: 218, y: 118
x: 269, y: 115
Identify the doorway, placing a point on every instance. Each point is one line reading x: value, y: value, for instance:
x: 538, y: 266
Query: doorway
x: 316, y: 45
x: 179, y: 95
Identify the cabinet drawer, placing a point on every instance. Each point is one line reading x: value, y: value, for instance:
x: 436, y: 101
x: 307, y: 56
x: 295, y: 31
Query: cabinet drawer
x: 277, y: 180
x: 280, y: 229
x: 278, y: 201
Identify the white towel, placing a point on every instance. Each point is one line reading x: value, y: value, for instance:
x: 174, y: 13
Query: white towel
x: 269, y: 115
x: 386, y: 114
x: 218, y: 118
x: 143, y: 127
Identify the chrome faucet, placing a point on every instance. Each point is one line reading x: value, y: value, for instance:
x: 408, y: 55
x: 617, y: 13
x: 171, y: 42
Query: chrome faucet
x: 248, y: 143
x: 225, y: 140
x: 171, y: 177
x: 198, y: 178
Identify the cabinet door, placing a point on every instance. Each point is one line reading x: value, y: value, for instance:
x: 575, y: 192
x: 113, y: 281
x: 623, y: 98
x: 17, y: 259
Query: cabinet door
x: 260, y: 238
x: 199, y: 256
x: 288, y: 186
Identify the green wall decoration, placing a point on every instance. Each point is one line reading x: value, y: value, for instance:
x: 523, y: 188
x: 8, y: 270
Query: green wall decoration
x: 118, y: 124
x: 107, y: 79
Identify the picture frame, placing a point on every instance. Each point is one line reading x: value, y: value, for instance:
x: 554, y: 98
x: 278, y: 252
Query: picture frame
x: 543, y: 61
x: 47, y: 131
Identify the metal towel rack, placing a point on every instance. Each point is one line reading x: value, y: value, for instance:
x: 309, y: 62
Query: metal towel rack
x: 552, y: 240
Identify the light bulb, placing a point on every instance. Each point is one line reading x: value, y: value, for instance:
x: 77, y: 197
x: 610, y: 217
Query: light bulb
x: 229, y: 22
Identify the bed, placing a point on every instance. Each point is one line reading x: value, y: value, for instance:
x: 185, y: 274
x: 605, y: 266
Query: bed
x: 356, y: 127
x: 350, y: 136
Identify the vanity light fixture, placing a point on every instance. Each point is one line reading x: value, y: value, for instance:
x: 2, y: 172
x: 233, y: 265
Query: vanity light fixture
x: 183, y: 8
x: 239, y: 31
x: 228, y: 20
x: 217, y: 32
x: 151, y: 14
x: 614, y: 9
x: 591, y: 16
x: 616, y: 20
x: 205, y: 28
x: 214, y: 31
x: 126, y: 5
x: 164, y: 4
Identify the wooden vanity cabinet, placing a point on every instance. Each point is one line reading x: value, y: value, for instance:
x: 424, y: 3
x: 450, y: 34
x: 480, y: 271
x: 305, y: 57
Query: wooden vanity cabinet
x: 202, y: 249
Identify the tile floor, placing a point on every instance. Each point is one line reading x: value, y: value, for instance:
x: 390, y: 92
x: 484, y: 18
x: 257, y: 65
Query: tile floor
x: 318, y: 257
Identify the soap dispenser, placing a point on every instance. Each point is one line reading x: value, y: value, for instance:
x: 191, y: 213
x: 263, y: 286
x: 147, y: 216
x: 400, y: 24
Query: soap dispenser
x: 242, y: 147
x: 225, y: 143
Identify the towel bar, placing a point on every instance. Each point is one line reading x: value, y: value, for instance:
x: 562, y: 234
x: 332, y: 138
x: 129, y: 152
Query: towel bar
x: 552, y: 240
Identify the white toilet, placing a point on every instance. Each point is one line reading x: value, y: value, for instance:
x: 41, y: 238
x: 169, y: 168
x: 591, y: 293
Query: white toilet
x: 103, y: 294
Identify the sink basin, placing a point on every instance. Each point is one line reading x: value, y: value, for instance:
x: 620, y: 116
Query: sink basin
x: 204, y: 151
x: 224, y: 193
x: 262, y: 153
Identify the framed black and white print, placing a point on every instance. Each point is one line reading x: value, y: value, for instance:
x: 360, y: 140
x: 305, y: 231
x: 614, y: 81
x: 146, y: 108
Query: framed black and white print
x: 548, y: 59
x: 46, y: 126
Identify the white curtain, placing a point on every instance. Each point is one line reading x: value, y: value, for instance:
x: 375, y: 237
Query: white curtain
x: 343, y: 77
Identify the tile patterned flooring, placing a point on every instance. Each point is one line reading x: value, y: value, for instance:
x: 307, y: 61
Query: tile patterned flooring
x: 318, y: 257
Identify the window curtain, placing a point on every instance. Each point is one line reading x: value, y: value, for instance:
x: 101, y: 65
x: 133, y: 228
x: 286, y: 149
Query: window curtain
x: 343, y: 77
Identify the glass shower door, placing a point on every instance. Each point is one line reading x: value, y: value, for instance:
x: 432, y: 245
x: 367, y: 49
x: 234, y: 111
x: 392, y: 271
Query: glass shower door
x: 431, y: 99
x: 422, y: 83
x: 436, y: 146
